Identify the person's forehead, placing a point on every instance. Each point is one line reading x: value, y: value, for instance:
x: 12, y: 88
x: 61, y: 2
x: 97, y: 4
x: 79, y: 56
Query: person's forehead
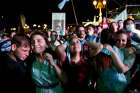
x: 81, y: 28
x: 130, y: 21
x: 74, y: 39
x: 120, y: 22
x: 54, y: 32
x: 82, y: 32
x: 25, y: 44
x: 122, y: 36
x: 38, y: 37
x: 90, y: 27
x: 24, y: 47
x: 114, y: 23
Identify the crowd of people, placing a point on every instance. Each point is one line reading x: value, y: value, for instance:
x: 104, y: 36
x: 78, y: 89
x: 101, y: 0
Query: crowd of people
x: 91, y: 59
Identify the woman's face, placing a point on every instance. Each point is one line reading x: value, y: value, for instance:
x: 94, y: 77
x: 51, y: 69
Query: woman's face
x: 121, y: 40
x: 120, y: 25
x: 38, y: 44
x: 129, y: 22
x: 130, y: 26
x: 75, y: 45
x: 114, y: 27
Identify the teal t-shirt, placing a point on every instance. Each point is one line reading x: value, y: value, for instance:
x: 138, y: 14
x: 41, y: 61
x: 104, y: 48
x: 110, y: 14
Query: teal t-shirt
x: 43, y: 73
x: 110, y: 79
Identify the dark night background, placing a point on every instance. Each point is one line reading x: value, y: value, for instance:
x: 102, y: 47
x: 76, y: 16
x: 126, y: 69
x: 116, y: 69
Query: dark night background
x: 39, y: 11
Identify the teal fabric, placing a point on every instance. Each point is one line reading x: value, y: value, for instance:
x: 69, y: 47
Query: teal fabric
x: 43, y: 73
x: 111, y: 80
x: 128, y: 59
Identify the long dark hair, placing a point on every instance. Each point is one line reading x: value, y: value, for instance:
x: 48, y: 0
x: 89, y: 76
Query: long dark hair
x: 44, y: 36
x: 68, y: 51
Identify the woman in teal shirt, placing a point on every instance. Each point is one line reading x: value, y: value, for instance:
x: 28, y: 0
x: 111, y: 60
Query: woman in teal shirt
x: 112, y: 63
x: 46, y: 74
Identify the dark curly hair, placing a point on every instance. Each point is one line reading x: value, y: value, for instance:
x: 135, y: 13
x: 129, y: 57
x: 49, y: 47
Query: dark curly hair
x: 108, y: 37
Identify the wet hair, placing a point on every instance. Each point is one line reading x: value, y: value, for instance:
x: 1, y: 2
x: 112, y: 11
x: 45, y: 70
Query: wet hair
x: 20, y: 40
x: 128, y: 44
x: 107, y: 37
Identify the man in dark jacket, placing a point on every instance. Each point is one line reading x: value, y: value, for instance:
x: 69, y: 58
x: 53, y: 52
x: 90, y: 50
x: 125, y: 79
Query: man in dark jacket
x: 13, y: 78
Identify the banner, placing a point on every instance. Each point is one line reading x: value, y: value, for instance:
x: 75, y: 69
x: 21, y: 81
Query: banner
x: 58, y: 23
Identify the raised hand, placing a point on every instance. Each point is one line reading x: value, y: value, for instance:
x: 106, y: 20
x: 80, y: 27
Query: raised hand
x: 50, y: 59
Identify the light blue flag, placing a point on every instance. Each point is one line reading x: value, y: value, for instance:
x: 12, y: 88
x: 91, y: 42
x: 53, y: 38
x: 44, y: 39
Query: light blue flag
x: 62, y: 4
x: 122, y: 16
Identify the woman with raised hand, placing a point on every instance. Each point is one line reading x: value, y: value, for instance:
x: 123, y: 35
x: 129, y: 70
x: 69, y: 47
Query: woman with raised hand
x: 76, y: 69
x: 127, y: 52
x: 46, y: 74
x: 112, y: 63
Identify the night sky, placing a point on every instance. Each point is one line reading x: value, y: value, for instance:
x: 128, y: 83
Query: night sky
x: 39, y: 11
